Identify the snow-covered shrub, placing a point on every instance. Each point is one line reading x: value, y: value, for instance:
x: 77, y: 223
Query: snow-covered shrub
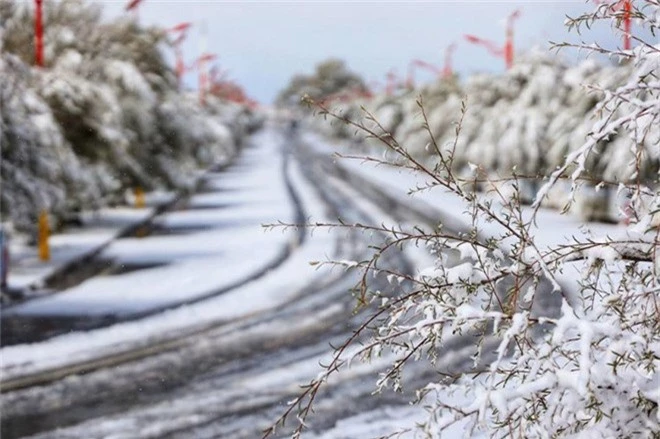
x: 39, y: 168
x: 527, y: 119
x: 102, y: 116
x: 558, y: 339
x: 330, y: 78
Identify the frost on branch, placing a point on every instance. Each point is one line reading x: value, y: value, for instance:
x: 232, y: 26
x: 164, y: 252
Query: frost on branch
x: 558, y: 339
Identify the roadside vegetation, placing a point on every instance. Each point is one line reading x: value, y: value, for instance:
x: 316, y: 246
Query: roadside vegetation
x: 524, y: 121
x: 103, y: 116
x: 331, y: 80
x: 565, y: 330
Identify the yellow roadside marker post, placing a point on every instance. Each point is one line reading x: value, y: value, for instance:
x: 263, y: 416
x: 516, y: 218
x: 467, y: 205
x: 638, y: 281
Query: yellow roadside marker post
x: 44, y: 234
x: 139, y: 198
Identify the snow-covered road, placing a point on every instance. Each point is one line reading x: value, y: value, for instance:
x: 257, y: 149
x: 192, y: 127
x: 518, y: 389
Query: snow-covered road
x: 225, y: 365
x: 248, y: 349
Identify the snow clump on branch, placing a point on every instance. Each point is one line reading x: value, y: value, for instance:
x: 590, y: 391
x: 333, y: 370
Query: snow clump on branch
x: 563, y: 339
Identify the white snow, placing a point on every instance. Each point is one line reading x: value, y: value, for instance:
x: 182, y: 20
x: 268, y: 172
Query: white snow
x: 198, y: 263
x: 275, y: 288
x: 551, y: 228
x: 102, y: 226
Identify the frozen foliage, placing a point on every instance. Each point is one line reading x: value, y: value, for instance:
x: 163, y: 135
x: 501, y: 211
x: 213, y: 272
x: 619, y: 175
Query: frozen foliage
x: 528, y: 118
x: 330, y: 79
x: 563, y: 340
x: 525, y: 122
x: 102, y: 116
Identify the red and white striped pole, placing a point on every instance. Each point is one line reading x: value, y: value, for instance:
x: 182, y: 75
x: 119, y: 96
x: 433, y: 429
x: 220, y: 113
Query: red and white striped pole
x: 627, y: 9
x: 39, y: 34
x: 202, y: 82
x: 180, y: 67
x: 203, y: 75
x: 508, y: 47
x: 626, y: 19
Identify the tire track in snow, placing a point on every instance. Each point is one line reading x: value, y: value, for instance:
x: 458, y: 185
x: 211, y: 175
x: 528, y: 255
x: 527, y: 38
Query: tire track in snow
x: 331, y: 328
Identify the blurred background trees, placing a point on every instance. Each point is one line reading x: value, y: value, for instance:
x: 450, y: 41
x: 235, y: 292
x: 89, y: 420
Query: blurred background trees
x: 104, y: 114
x: 330, y: 78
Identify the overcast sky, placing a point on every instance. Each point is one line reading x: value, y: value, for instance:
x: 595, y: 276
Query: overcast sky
x: 263, y: 44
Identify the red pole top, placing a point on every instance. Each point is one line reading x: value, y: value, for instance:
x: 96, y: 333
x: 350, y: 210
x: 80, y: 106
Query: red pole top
x: 427, y: 66
x: 513, y: 16
x: 410, y: 78
x: 206, y: 57
x: 133, y: 4
x: 505, y: 52
x: 203, y: 78
x: 392, y: 80
x: 39, y: 34
x: 491, y: 46
x: 181, y: 27
x: 423, y: 64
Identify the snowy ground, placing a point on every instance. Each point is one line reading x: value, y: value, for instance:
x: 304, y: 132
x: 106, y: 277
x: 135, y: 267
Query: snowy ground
x: 100, y: 227
x: 249, y: 348
x: 195, y: 263
x: 551, y: 227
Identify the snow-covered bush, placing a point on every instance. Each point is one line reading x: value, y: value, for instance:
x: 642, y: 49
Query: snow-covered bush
x: 102, y: 116
x: 524, y: 121
x: 558, y: 339
x: 330, y: 78
x: 39, y: 168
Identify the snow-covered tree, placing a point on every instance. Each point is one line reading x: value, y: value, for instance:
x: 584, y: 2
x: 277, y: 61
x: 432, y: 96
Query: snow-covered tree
x: 562, y: 338
x: 330, y: 78
x: 103, y: 115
